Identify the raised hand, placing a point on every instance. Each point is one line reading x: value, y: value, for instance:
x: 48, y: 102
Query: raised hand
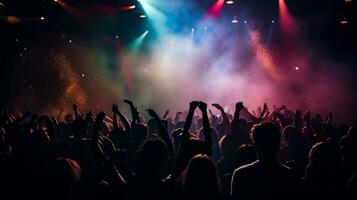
x: 128, y: 102
x: 151, y: 112
x: 115, y: 108
x: 216, y: 105
x: 75, y: 107
x: 202, y: 106
x: 100, y: 116
x: 239, y: 106
x: 265, y: 106
x: 193, y: 105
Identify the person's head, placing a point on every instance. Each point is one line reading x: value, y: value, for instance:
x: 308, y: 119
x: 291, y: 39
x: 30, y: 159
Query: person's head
x: 266, y: 140
x: 68, y: 118
x: 200, y: 178
x: 214, y: 134
x: 151, y: 159
x: 120, y: 138
x: 139, y: 132
x: 229, y: 145
x: 152, y: 126
x: 292, y: 136
x: 245, y: 155
x: 79, y: 128
x: 324, y: 160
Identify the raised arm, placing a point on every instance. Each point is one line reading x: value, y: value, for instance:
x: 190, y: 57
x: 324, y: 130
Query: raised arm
x: 188, y: 122
x: 183, y: 153
x: 166, y: 114
x: 265, y: 109
x: 206, y: 126
x: 76, y: 112
x: 227, y: 126
x: 97, y: 125
x: 235, y: 122
x: 115, y: 119
x: 161, y: 130
x: 134, y: 112
x: 177, y: 117
x: 123, y: 119
x: 59, y: 114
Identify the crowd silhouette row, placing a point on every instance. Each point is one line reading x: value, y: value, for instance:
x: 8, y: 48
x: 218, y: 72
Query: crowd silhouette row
x: 195, y: 155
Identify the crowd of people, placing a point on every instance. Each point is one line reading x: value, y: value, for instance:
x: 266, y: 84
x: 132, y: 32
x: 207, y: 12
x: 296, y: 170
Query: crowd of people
x: 272, y: 153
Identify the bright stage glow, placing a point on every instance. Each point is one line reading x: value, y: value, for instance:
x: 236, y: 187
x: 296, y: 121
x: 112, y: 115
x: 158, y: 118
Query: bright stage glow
x: 234, y: 21
x: 216, y: 8
x: 142, y: 16
x: 286, y: 20
x: 133, y: 46
x: 344, y: 21
x: 132, y: 7
x: 229, y: 2
x: 12, y: 19
x: 42, y: 18
x: 158, y: 18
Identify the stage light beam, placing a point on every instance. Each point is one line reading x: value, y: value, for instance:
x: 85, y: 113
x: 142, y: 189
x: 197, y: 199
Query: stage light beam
x: 158, y: 18
x: 286, y: 20
x: 134, y: 46
x: 215, y: 10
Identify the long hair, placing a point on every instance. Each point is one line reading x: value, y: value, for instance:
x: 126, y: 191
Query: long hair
x: 200, y: 179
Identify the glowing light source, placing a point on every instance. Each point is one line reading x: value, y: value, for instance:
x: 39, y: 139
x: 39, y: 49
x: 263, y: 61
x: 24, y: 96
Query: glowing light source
x: 286, y: 20
x: 297, y: 68
x: 131, y: 7
x: 272, y: 21
x: 42, y: 18
x: 192, y: 30
x: 12, y: 19
x: 245, y: 21
x: 134, y: 46
x: 142, y: 16
x: 152, y: 11
x: 348, y: 1
x: 216, y: 8
x: 344, y: 21
x: 229, y: 2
